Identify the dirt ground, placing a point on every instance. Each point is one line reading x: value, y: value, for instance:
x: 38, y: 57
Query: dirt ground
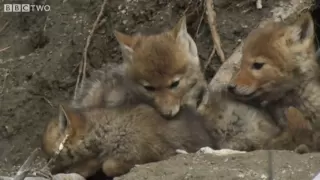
x: 245, y: 166
x: 39, y: 70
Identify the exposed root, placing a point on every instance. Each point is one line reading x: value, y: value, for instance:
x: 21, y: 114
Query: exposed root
x: 211, y: 15
x: 210, y: 58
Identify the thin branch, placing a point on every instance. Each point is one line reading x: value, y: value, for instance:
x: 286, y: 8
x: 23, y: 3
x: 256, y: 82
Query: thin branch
x: 78, y: 80
x: 200, y: 22
x: 48, y: 101
x: 85, y: 51
x: 210, y: 58
x: 4, y: 49
x: 4, y: 27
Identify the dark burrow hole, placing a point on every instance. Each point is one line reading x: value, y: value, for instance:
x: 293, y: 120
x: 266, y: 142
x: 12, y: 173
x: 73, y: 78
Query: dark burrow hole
x: 39, y: 39
x: 99, y: 176
x: 315, y: 12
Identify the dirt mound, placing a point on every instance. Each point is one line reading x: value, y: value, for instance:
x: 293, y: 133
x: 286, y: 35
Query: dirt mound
x: 248, y: 166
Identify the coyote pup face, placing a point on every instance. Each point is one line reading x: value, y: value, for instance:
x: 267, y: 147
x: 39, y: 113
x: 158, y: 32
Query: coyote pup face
x: 162, y: 68
x: 276, y: 58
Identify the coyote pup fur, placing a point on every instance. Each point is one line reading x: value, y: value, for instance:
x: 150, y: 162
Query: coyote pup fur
x: 117, y: 138
x: 278, y: 68
x: 162, y: 70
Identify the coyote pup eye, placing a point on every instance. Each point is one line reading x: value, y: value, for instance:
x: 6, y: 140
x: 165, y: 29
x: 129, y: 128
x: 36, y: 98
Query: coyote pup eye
x: 149, y: 88
x: 257, y: 66
x: 174, y: 84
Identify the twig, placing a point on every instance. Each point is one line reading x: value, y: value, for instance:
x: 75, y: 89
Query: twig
x: 45, y: 24
x: 211, y: 15
x: 198, y: 28
x: 4, y: 49
x: 4, y: 26
x: 48, y: 101
x: 26, y: 166
x: 57, y: 152
x: 185, y: 11
x: 210, y: 58
x: 78, y: 80
x: 85, y: 51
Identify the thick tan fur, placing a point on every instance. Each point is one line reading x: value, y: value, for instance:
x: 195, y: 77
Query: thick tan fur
x: 279, y: 68
x: 255, y: 129
x: 163, y: 69
x: 276, y: 58
x: 277, y: 61
x: 115, y: 139
x: 299, y: 134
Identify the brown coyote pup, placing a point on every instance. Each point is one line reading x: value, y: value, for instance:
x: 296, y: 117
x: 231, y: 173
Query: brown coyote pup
x: 162, y: 70
x: 115, y: 139
x: 279, y: 69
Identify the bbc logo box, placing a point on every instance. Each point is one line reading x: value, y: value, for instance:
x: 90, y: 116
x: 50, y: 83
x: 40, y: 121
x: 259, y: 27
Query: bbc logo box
x: 7, y: 7
x: 16, y: 8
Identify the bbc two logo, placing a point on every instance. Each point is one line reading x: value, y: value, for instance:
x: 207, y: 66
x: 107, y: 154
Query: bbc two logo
x: 25, y: 8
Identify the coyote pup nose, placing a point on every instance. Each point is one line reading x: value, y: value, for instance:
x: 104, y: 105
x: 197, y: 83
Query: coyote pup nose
x: 170, y: 111
x: 231, y: 88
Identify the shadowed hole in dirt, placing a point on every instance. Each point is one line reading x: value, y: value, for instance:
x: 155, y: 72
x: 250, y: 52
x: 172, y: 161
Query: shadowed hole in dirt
x: 99, y: 176
x: 39, y: 40
x: 315, y: 12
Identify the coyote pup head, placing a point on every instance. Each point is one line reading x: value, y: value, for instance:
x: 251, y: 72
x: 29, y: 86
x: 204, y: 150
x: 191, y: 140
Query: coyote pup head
x: 68, y: 130
x: 276, y: 58
x: 162, y: 68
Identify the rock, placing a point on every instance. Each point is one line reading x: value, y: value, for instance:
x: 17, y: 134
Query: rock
x: 248, y: 166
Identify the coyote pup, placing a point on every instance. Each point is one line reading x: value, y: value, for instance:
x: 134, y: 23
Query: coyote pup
x: 115, y: 139
x: 279, y: 69
x: 162, y: 70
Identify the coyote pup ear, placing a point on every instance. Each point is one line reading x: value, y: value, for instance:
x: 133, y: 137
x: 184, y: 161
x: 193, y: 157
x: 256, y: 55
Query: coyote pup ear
x: 68, y: 119
x: 180, y: 29
x: 126, y: 44
x: 182, y: 36
x: 302, y: 31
